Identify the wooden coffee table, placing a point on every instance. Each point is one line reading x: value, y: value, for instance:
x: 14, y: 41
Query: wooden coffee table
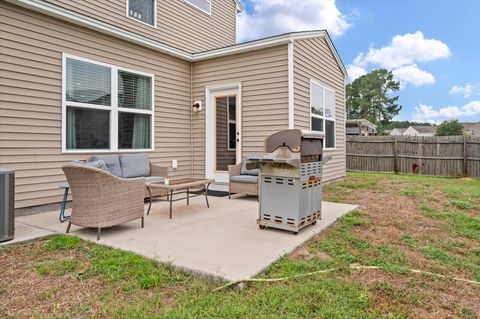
x: 192, y: 187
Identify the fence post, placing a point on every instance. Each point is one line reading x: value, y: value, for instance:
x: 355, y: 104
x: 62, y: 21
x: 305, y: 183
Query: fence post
x: 465, y: 157
x: 395, y: 155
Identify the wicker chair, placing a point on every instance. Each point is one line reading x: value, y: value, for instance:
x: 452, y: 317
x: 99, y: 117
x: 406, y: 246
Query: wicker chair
x: 102, y: 200
x: 241, y: 188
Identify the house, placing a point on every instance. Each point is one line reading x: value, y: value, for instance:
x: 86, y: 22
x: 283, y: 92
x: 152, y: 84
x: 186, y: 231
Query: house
x: 164, y: 77
x: 360, y: 127
x: 417, y: 130
x: 397, y: 131
x: 471, y: 129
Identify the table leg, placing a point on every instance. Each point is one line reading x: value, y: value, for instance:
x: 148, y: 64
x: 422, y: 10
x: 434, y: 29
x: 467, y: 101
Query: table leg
x: 149, y: 200
x: 206, y: 195
x: 171, y: 201
x: 188, y: 197
x: 62, y: 216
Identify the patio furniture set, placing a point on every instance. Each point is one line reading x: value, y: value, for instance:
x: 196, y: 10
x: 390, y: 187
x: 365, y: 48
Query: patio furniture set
x: 110, y: 190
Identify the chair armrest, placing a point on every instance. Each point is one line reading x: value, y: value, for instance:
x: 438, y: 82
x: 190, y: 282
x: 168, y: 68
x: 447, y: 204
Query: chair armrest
x: 234, y: 170
x: 157, y: 170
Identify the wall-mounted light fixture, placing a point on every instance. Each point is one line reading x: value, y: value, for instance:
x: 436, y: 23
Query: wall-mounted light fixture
x: 197, y: 106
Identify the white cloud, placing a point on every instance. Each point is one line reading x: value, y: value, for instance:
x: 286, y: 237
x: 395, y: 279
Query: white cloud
x: 412, y: 74
x: 466, y: 90
x: 427, y: 113
x: 355, y: 72
x: 407, y: 49
x: 271, y: 17
x: 401, y: 56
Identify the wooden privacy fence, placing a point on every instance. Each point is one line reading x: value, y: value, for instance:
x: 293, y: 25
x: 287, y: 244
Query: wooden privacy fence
x: 448, y: 156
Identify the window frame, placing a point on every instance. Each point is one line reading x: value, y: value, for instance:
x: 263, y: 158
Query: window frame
x: 195, y: 6
x: 334, y: 119
x: 135, y: 19
x: 231, y: 122
x: 113, y: 108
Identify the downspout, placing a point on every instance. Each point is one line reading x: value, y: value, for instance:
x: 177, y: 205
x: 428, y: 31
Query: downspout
x: 192, y: 168
x: 291, y: 104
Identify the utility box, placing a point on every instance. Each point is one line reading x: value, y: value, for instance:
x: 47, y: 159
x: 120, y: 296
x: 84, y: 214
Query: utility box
x: 7, y: 204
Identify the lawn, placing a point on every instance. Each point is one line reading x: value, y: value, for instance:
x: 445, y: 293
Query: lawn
x: 404, y: 222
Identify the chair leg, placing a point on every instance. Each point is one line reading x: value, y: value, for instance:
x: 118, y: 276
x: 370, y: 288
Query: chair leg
x: 68, y: 227
x: 98, y: 233
x: 143, y: 222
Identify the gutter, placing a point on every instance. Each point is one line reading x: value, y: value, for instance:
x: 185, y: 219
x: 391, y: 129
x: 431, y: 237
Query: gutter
x: 94, y: 24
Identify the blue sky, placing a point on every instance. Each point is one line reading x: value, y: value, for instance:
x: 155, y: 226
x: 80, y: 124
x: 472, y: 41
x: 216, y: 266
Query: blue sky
x: 432, y: 46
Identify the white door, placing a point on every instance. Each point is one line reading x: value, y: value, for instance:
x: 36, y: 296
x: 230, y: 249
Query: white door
x: 223, y: 130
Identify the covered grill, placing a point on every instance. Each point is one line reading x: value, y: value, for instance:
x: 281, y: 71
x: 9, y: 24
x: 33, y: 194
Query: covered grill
x: 291, y: 180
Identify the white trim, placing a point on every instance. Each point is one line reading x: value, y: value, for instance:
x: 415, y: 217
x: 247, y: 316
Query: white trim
x: 257, y: 44
x: 334, y: 119
x: 210, y: 93
x: 291, y: 93
x: 195, y: 6
x: 113, y: 108
x: 91, y: 23
x: 239, y: 6
x: 127, y: 5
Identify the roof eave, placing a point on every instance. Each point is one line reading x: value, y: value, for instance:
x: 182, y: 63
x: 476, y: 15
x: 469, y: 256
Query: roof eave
x: 94, y: 24
x: 239, y: 6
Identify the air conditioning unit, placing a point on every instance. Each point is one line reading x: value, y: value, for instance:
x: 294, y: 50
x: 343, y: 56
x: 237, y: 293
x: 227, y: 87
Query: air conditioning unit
x: 7, y: 204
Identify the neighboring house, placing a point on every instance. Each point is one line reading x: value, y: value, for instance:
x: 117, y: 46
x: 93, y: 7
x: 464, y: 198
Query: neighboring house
x: 472, y: 129
x: 163, y: 77
x: 420, y: 131
x: 361, y: 127
x: 397, y: 131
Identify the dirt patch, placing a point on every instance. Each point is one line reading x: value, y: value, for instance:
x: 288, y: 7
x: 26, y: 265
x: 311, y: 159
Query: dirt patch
x: 396, y: 221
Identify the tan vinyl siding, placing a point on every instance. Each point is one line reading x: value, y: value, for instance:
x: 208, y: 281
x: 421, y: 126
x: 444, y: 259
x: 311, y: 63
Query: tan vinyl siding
x: 313, y: 59
x: 30, y: 98
x: 179, y: 24
x: 264, y: 78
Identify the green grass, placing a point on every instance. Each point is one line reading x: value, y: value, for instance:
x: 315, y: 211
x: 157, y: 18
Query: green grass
x: 131, y: 286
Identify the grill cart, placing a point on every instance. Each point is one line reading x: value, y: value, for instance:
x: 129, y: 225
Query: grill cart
x: 291, y: 180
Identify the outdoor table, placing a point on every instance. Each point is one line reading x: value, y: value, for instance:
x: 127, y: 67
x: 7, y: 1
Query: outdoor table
x: 180, y: 186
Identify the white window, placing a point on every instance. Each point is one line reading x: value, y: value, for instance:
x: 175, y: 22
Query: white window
x: 105, y: 108
x: 143, y: 10
x: 204, y: 5
x: 231, y: 123
x: 322, y: 112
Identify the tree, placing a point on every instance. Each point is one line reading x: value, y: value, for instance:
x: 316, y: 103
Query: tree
x: 369, y: 97
x: 450, y: 128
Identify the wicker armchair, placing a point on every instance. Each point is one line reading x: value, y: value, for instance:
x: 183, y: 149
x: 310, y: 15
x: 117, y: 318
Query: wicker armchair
x: 241, y: 188
x: 102, y: 200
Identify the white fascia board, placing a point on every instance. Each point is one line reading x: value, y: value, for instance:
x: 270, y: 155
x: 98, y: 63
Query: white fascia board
x: 239, y: 6
x: 257, y: 44
x: 79, y: 19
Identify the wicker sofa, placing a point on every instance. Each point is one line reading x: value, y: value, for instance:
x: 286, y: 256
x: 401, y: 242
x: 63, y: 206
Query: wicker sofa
x: 242, y: 180
x: 133, y: 166
x: 101, y: 199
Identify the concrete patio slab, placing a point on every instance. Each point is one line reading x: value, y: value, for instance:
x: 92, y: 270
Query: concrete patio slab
x: 24, y: 232
x: 223, y: 240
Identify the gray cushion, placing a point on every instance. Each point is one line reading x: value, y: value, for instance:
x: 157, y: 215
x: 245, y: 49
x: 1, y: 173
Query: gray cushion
x: 246, y: 179
x: 135, y: 165
x: 112, y: 162
x: 251, y: 172
x: 95, y: 164
x: 154, y: 179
